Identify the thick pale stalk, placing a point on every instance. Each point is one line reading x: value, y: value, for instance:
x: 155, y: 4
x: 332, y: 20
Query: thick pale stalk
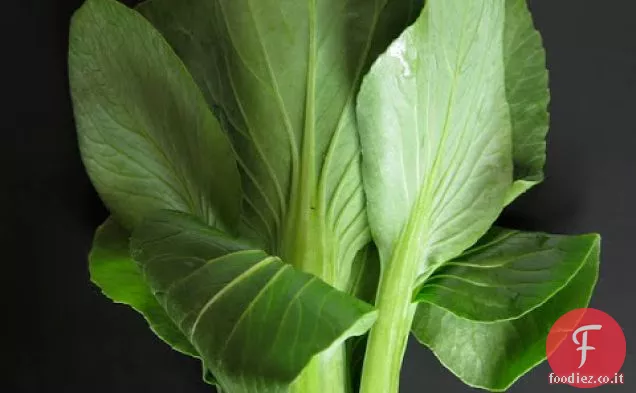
x: 308, y: 252
x: 389, y: 335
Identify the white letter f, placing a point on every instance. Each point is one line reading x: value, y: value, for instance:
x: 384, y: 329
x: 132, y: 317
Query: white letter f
x: 584, y: 347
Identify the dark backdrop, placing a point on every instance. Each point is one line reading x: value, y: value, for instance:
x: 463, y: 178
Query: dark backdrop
x: 65, y: 337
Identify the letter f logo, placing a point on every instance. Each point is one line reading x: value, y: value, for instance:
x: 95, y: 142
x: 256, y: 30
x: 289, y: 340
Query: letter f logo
x: 584, y: 347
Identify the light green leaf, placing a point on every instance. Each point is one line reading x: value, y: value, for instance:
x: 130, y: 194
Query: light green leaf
x: 494, y: 355
x: 435, y: 132
x: 147, y: 137
x: 507, y: 274
x: 119, y: 278
x: 528, y: 96
x: 255, y: 320
x: 437, y: 158
x: 284, y: 73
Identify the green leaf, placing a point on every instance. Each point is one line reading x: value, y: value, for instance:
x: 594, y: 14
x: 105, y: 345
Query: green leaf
x: 507, y: 274
x: 119, y: 278
x: 283, y: 74
x: 494, y: 355
x: 437, y: 146
x: 147, y: 137
x: 528, y: 96
x: 435, y: 132
x: 256, y: 321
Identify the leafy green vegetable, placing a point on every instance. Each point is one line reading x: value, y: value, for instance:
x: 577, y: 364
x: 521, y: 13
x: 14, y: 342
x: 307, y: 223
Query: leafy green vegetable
x: 130, y: 94
x: 147, y: 137
x: 494, y: 355
x: 233, y: 302
x: 271, y: 190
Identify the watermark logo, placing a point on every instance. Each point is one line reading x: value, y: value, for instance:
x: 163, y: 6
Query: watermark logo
x: 586, y: 348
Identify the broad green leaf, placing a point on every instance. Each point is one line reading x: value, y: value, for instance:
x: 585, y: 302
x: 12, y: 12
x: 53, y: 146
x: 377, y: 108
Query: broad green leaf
x: 147, y: 137
x: 119, y: 278
x: 494, y: 355
x: 528, y: 96
x: 284, y: 74
x: 437, y: 158
x: 255, y: 320
x: 435, y: 132
x: 507, y: 274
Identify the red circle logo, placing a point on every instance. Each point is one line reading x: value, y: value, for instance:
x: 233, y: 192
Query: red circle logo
x: 586, y: 348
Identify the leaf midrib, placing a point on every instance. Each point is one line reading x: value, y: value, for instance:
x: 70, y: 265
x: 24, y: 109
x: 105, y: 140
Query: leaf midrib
x: 241, y: 277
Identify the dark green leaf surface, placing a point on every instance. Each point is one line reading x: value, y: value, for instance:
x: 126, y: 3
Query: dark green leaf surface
x: 435, y: 132
x: 284, y: 75
x: 235, y: 304
x: 507, y: 274
x: 120, y: 279
x: 494, y: 355
x: 147, y: 137
x: 528, y: 96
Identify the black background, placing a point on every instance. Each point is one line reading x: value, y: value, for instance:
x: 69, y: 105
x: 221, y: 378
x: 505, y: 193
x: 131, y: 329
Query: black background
x: 65, y: 337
